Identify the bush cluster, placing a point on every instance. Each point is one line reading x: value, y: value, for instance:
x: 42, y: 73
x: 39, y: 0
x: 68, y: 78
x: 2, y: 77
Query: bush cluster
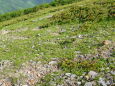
x: 69, y: 65
x: 86, y: 12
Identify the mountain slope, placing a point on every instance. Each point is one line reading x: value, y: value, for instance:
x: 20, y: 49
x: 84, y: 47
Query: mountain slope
x: 68, y: 45
x: 11, y: 5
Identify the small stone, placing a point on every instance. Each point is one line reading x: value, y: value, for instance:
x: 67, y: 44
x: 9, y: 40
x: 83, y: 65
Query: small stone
x: 108, y: 83
x: 102, y: 82
x: 106, y: 42
x: 80, y: 36
x: 84, y: 74
x: 68, y: 74
x: 54, y: 59
x: 92, y: 74
x: 52, y: 83
x: 112, y: 72
x: 107, y: 68
x: 102, y: 69
x: 77, y: 52
x: 60, y: 85
x: 81, y: 57
x: 80, y: 77
x: 24, y: 85
x: 73, y: 76
x: 83, y: 81
x: 1, y: 83
x: 87, y: 77
x: 88, y: 84
x: 79, y: 83
x: 53, y: 63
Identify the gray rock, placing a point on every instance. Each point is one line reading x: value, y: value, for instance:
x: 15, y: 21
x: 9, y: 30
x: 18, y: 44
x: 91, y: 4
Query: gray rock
x: 78, y: 83
x: 92, y: 74
x: 83, y: 81
x: 80, y: 36
x: 112, y: 72
x: 68, y: 74
x: 108, y: 83
x: 81, y: 77
x: 52, y: 83
x: 1, y: 83
x: 53, y: 63
x: 73, y: 76
x: 102, y: 82
x: 60, y: 85
x: 24, y: 85
x: 88, y: 84
x: 77, y: 52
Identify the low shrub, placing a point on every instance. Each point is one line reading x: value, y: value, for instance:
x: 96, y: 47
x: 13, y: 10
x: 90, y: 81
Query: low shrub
x: 69, y: 65
x: 86, y: 12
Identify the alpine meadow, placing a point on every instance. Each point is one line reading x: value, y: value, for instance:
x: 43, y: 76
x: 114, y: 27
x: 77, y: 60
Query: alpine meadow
x: 57, y: 43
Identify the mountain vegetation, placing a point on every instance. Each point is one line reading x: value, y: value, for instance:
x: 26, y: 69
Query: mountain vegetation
x: 62, y: 43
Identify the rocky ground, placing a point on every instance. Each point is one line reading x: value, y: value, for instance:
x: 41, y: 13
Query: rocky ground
x: 33, y: 73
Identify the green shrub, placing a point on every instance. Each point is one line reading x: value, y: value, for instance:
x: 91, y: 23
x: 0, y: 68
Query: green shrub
x: 69, y: 65
x: 86, y: 12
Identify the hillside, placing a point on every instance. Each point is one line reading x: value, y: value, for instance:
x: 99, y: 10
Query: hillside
x: 11, y: 5
x: 67, y: 44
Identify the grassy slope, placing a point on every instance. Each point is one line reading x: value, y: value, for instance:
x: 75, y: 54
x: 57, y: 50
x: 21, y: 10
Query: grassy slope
x: 24, y: 41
